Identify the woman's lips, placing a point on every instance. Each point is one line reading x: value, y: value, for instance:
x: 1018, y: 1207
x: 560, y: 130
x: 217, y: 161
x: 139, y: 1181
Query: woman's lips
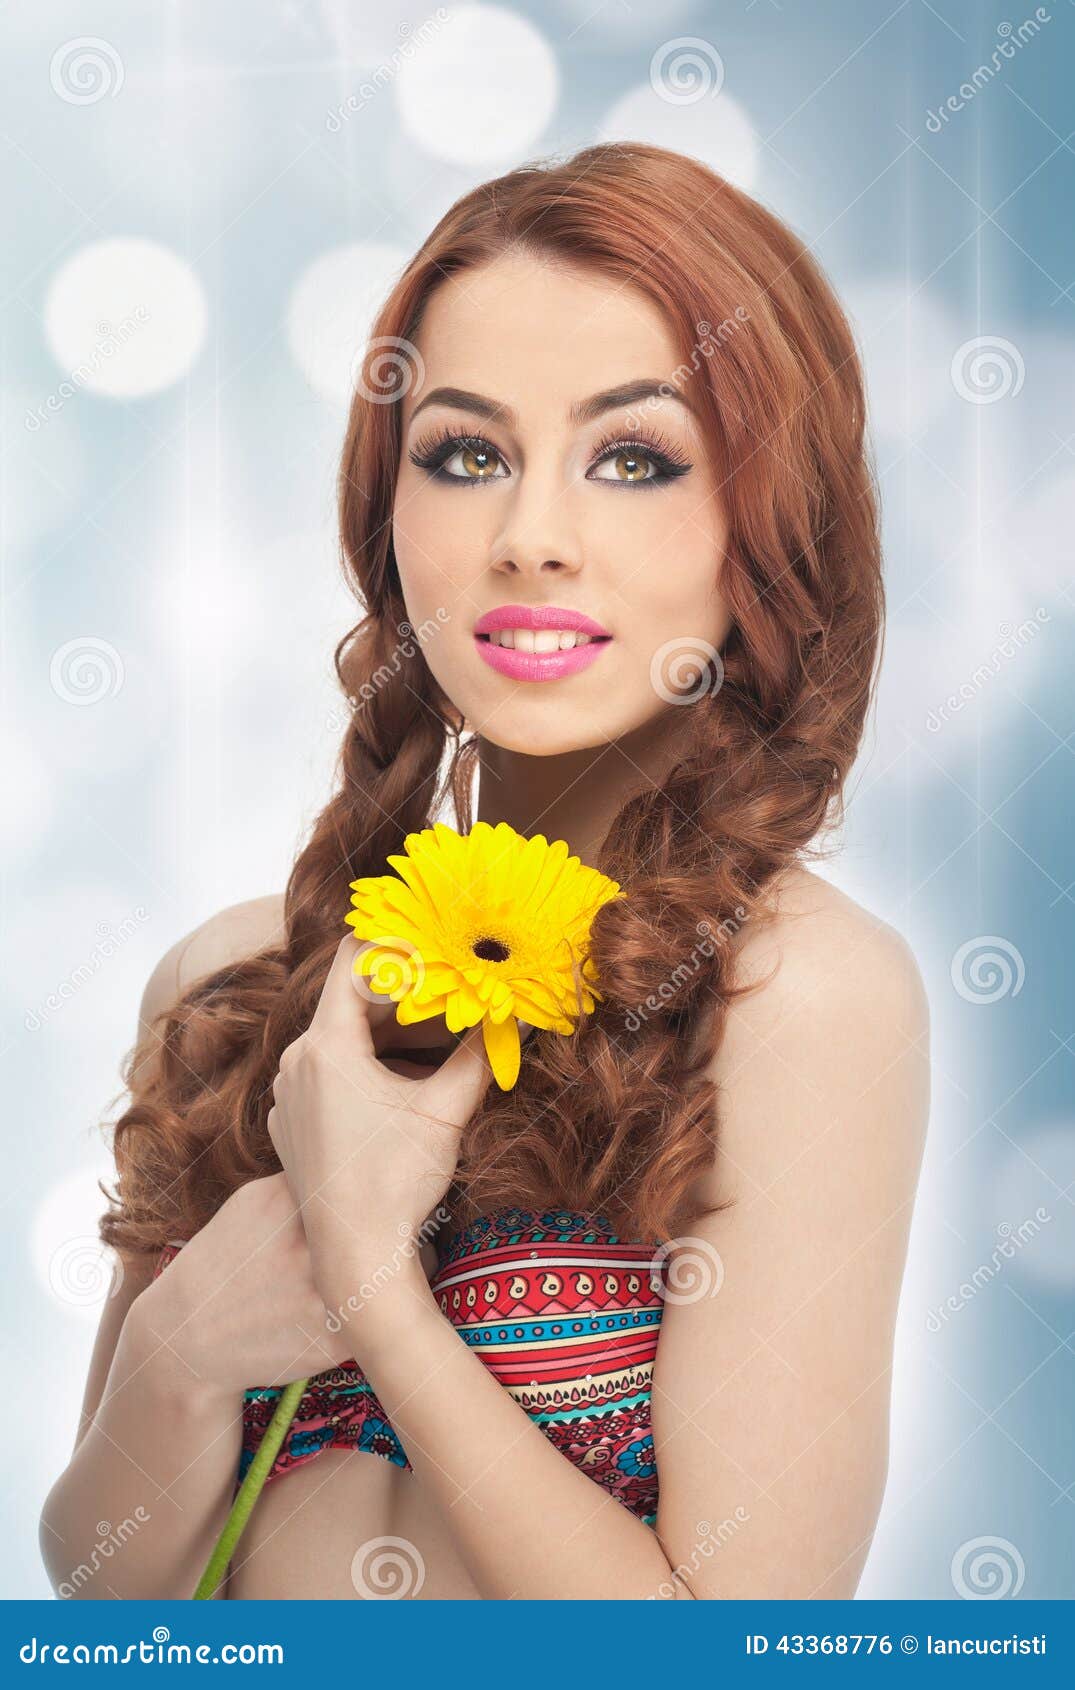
x: 536, y: 616
x: 539, y: 665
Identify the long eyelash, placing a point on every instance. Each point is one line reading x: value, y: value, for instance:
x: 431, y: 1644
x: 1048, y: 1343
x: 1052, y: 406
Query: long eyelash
x: 433, y: 450
x: 667, y: 458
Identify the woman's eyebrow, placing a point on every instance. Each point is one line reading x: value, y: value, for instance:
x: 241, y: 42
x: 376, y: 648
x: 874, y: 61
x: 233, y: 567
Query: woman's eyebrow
x: 460, y: 400
x: 584, y: 410
x: 614, y: 398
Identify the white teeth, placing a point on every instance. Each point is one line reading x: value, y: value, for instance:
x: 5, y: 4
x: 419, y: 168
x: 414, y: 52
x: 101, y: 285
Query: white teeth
x: 539, y: 639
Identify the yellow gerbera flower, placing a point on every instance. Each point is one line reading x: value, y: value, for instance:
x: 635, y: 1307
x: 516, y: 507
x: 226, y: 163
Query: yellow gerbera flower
x: 487, y: 926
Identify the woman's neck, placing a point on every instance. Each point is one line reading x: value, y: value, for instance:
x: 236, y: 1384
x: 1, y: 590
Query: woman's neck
x: 572, y: 795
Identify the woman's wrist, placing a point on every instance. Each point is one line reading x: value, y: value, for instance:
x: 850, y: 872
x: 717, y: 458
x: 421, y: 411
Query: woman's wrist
x: 369, y: 1291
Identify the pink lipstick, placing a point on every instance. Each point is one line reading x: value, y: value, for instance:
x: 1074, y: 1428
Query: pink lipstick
x: 552, y: 641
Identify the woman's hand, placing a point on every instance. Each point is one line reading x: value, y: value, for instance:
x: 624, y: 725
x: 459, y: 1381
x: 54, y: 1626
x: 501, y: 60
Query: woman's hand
x: 238, y: 1305
x: 368, y: 1153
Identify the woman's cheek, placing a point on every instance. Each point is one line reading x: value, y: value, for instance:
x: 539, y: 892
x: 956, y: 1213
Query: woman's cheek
x: 439, y: 547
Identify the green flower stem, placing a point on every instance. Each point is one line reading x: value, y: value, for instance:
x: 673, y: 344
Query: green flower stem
x: 217, y: 1566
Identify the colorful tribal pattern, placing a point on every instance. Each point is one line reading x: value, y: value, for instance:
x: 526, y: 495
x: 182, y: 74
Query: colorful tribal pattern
x: 563, y: 1313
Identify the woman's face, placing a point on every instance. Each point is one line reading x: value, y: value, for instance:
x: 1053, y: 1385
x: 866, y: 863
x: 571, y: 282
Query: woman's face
x: 529, y: 479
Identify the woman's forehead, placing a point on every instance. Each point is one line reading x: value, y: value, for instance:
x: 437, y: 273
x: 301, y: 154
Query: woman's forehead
x: 539, y: 338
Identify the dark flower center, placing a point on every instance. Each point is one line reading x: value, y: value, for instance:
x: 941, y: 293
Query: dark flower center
x: 490, y: 950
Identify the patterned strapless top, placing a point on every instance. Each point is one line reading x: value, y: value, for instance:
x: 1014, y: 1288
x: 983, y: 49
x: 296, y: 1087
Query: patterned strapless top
x: 563, y: 1313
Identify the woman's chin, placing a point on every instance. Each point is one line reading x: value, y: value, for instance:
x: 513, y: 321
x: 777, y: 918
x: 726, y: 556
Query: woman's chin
x: 531, y: 736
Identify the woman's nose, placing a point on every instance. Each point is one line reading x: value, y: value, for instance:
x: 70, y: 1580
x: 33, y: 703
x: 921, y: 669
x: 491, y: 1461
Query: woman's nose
x: 521, y: 566
x: 538, y: 536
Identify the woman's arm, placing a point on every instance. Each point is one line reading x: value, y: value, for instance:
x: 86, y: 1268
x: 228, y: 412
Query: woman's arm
x: 525, y: 1521
x: 771, y: 1397
x: 142, y: 1500
x: 148, y: 1486
x: 771, y: 1385
x: 151, y: 1480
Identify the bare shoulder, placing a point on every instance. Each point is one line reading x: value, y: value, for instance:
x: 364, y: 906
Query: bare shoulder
x: 821, y: 947
x: 238, y: 931
x: 830, y: 1041
x: 232, y: 934
x: 229, y: 936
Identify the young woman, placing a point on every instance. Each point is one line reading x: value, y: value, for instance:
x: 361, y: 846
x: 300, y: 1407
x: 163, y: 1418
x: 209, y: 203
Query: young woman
x: 616, y: 395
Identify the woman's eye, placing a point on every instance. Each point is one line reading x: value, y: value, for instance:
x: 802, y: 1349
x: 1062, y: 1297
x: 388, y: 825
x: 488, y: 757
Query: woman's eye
x: 626, y: 465
x: 474, y: 463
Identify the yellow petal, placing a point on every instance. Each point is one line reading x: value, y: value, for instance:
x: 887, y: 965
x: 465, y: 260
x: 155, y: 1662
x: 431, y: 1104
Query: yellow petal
x: 558, y: 1023
x: 502, y: 1011
x: 465, y: 1009
x: 503, y: 1049
x: 438, y: 978
x: 447, y: 887
x: 409, y: 1010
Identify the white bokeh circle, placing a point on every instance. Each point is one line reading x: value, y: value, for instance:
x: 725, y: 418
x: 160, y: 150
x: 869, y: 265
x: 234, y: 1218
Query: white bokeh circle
x: 331, y: 312
x: 479, y: 88
x: 715, y: 130
x: 125, y: 317
x: 73, y: 1267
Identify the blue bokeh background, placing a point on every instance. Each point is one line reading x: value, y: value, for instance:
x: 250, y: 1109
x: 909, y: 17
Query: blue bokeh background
x: 171, y: 596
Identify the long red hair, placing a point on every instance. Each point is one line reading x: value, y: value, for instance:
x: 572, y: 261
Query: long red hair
x: 619, y: 1118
